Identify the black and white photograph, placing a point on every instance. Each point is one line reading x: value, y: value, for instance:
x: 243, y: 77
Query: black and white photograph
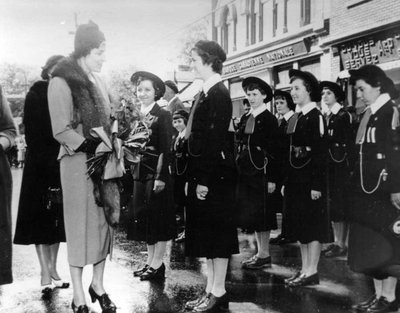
x: 177, y: 156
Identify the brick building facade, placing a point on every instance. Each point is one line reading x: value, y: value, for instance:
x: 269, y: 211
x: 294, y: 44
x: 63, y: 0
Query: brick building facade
x: 265, y: 38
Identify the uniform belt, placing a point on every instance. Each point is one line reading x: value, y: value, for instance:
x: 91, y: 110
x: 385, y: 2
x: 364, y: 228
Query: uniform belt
x: 380, y: 156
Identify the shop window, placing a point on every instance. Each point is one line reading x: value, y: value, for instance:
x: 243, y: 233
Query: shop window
x: 312, y: 66
x: 281, y: 78
x: 305, y: 12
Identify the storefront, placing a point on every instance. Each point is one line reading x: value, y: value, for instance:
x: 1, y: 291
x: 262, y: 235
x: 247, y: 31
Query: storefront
x: 271, y: 65
x: 381, y: 48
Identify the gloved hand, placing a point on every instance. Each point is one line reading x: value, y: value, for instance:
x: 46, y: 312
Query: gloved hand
x: 88, y: 146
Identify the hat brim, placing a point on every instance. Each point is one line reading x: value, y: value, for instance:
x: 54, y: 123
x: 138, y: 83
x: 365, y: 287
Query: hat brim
x: 263, y: 85
x: 335, y: 88
x: 143, y: 75
x: 315, y: 93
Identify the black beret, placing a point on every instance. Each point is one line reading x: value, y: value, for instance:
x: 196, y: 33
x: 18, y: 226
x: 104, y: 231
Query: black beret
x: 87, y: 37
x: 335, y: 88
x: 171, y: 85
x: 315, y: 93
x: 181, y: 114
x: 374, y: 74
x: 158, y: 84
x: 52, y: 61
x: 212, y: 48
x: 286, y: 95
x: 262, y: 84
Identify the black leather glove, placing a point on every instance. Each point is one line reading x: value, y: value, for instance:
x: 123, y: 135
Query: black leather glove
x: 88, y: 146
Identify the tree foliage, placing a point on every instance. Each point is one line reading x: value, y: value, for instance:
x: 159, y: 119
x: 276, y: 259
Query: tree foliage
x: 16, y: 79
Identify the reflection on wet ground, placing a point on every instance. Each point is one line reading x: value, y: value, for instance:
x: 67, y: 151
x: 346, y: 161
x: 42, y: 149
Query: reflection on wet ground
x: 250, y: 291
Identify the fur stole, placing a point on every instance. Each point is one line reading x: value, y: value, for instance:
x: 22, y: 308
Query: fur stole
x: 89, y: 106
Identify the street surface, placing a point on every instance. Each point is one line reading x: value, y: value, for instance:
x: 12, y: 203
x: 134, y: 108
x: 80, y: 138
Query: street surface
x: 250, y: 291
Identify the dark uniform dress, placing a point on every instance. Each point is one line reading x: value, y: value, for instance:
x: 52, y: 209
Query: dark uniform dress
x: 210, y: 223
x: 178, y: 169
x: 152, y: 214
x: 40, y: 220
x: 283, y: 148
x: 373, y: 247
x: 341, y: 158
x: 256, y: 161
x: 306, y: 172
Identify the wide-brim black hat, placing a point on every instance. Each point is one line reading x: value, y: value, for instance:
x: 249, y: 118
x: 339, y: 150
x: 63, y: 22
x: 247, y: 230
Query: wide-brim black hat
x: 158, y: 84
x: 172, y: 85
x: 286, y: 95
x: 315, y: 93
x: 262, y: 84
x: 335, y: 88
x: 372, y: 73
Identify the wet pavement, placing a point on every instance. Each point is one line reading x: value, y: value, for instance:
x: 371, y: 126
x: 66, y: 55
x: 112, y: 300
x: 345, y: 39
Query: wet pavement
x: 250, y: 291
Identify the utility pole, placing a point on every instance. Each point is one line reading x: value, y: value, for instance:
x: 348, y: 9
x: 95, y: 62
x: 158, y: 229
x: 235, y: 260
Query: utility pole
x: 72, y: 32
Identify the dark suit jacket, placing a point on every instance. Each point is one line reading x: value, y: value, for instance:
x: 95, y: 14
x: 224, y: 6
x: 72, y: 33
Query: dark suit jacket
x: 209, y: 144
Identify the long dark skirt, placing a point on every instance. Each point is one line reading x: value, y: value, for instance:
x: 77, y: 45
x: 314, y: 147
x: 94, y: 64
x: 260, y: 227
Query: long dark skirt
x: 5, y: 220
x: 374, y: 249
x: 311, y: 215
x: 211, y: 224
x: 255, y: 206
x: 152, y: 215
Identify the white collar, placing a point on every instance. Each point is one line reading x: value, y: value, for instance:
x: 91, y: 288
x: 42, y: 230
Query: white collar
x: 170, y: 101
x: 288, y: 115
x: 308, y: 107
x: 335, y: 109
x: 146, y: 110
x: 259, y: 110
x: 182, y: 133
x: 213, y: 80
x: 379, y: 102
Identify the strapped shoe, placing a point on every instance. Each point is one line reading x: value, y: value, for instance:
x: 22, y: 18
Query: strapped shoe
x: 258, y: 263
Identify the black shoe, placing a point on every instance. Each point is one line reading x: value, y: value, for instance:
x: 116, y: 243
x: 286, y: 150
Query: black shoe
x: 328, y: 248
x: 285, y: 241
x: 276, y: 240
x: 213, y: 304
x: 154, y: 274
x: 81, y: 309
x: 383, y: 306
x: 336, y: 251
x: 302, y: 281
x: 105, y: 302
x: 293, y: 277
x: 141, y: 271
x: 362, y: 306
x: 190, y: 305
x: 258, y: 263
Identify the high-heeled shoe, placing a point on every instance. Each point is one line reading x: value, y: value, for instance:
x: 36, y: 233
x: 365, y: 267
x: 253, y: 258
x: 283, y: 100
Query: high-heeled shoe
x: 213, y: 304
x: 107, y: 306
x: 141, y: 271
x: 190, y: 305
x: 154, y: 274
x: 81, y: 309
x: 58, y: 283
x: 305, y: 281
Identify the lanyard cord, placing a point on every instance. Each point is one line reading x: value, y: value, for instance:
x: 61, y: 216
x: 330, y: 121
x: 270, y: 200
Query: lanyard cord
x: 251, y: 158
x: 335, y: 160
x: 382, y: 173
x: 177, y: 169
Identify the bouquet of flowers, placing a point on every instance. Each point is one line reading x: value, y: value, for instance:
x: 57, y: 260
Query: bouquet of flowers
x: 129, y: 135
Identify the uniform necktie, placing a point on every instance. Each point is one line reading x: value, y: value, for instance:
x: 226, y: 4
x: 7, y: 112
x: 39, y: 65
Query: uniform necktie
x: 363, y: 126
x: 190, y: 120
x: 292, y: 123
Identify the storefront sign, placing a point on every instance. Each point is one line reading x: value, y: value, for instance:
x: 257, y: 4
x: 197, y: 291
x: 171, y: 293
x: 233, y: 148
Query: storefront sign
x: 379, y: 48
x: 269, y: 57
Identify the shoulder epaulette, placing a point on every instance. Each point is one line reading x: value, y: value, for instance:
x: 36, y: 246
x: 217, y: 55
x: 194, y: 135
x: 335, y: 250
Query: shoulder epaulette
x: 395, y: 118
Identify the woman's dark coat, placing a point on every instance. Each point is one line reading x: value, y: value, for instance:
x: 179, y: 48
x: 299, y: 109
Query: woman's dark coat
x: 374, y: 248
x: 256, y: 206
x: 152, y: 214
x: 7, y: 129
x: 210, y: 224
x: 39, y: 221
x: 306, y: 171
